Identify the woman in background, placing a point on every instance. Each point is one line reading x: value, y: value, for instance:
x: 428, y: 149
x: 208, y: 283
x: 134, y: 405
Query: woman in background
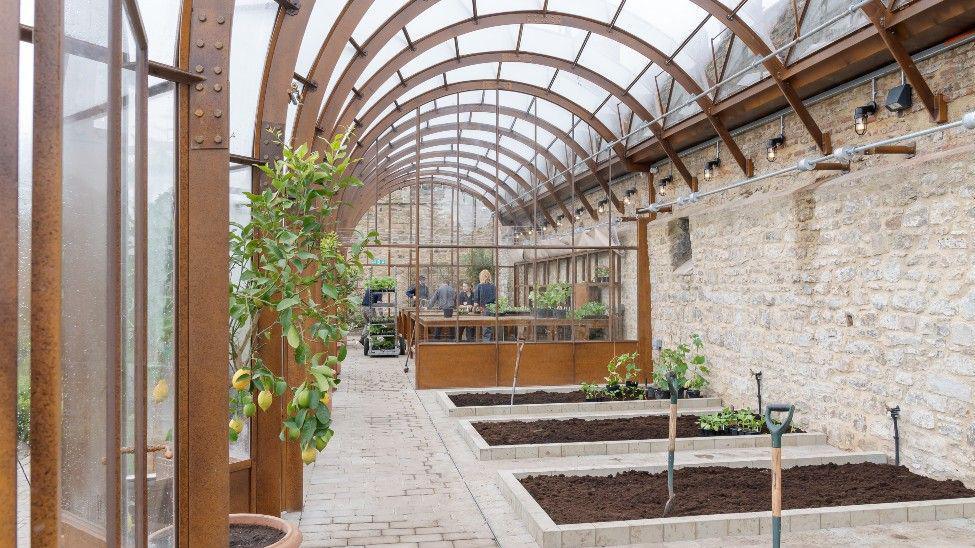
x: 484, y: 294
x: 464, y: 298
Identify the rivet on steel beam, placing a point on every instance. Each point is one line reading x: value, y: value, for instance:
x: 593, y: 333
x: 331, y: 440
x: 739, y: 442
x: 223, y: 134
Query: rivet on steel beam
x: 202, y: 17
x: 217, y: 139
x: 217, y: 87
x: 221, y: 20
x: 199, y: 68
x: 200, y: 43
x: 199, y: 139
x: 218, y: 45
x: 217, y: 113
x: 199, y: 87
x: 217, y: 70
x: 198, y: 112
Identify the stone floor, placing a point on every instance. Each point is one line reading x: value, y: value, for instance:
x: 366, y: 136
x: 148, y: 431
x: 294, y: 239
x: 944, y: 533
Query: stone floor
x: 397, y: 473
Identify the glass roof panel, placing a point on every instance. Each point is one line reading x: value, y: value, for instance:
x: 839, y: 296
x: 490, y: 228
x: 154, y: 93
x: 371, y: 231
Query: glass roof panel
x: 773, y: 20
x: 739, y: 59
x: 248, y: 51
x: 381, y: 91
x: 323, y: 16
x: 819, y: 11
x: 612, y: 59
x: 422, y: 88
x: 347, y: 52
x: 580, y: 91
x: 387, y: 52
x: 553, y: 40
x: 535, y: 75
x: 27, y: 12
x: 665, y: 29
x: 697, y: 57
x: 375, y: 16
x: 502, y: 38
x: 600, y: 11
x: 645, y: 91
x: 499, y: 6
x: 161, y: 34
x: 435, y: 55
x: 480, y: 71
x: 441, y: 14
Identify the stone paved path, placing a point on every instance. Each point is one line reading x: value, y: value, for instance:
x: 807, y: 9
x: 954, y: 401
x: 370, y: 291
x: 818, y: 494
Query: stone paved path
x: 389, y: 478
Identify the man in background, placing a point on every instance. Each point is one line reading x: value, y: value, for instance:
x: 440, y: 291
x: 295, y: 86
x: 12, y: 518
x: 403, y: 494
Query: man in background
x: 443, y: 299
x: 420, y: 291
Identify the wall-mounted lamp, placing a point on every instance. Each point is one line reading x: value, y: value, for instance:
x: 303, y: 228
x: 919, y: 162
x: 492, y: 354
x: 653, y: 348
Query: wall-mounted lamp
x: 664, y: 183
x: 899, y: 98
x: 578, y: 214
x: 626, y: 196
x: 294, y: 95
x: 558, y: 220
x: 602, y: 205
x: 860, y: 116
x: 709, y: 168
x: 772, y: 145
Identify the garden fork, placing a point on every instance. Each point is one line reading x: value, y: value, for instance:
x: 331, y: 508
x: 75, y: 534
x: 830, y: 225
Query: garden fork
x: 777, y: 431
x: 671, y: 444
x: 514, y: 381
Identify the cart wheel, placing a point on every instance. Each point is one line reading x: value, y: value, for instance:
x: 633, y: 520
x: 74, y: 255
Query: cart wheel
x: 365, y: 347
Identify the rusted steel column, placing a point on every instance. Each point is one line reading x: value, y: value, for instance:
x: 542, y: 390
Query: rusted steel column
x: 9, y: 95
x: 202, y: 303
x: 644, y: 324
x: 45, y: 289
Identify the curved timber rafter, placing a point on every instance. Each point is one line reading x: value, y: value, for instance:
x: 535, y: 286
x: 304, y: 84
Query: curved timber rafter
x: 520, y: 87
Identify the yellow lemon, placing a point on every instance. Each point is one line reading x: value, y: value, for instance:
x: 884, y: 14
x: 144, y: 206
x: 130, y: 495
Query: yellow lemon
x: 161, y: 391
x: 242, y: 383
x: 264, y: 399
x: 236, y: 425
x: 326, y: 397
x: 309, y: 454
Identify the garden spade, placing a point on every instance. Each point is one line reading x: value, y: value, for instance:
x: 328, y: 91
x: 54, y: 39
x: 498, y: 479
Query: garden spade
x: 777, y: 431
x: 671, y: 444
x: 514, y: 381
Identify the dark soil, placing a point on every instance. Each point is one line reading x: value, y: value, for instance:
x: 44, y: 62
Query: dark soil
x: 574, y: 430
x: 723, y: 490
x: 253, y: 536
x: 540, y: 396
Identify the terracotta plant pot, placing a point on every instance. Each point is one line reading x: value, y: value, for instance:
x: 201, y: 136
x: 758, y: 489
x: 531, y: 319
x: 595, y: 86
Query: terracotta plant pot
x: 292, y: 535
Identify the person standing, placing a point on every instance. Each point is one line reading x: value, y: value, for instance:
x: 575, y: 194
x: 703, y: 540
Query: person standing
x: 484, y: 294
x: 465, y: 298
x: 419, y: 291
x: 443, y: 299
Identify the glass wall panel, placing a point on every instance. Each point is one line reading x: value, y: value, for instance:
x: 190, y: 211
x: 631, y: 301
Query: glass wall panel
x: 254, y: 20
x: 161, y: 20
x: 161, y: 302
x: 87, y: 308
x: 24, y: 178
x: 240, y: 182
x: 130, y: 111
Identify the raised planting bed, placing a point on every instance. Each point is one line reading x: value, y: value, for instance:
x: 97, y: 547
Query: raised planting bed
x: 548, y: 400
x: 622, y: 506
x: 496, y: 438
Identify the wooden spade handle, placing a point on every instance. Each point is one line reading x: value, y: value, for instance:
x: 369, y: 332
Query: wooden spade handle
x: 672, y: 434
x: 777, y: 482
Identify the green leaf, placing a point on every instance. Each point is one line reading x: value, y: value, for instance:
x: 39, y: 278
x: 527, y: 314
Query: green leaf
x: 288, y: 303
x: 343, y: 352
x: 294, y: 338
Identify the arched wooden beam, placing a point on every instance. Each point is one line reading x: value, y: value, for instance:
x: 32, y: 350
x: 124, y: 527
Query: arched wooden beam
x: 519, y: 87
x: 513, y: 113
x: 531, y: 58
x: 480, y: 158
x: 322, y: 68
x: 392, y: 186
x: 773, y: 64
x: 503, y: 186
x: 935, y: 104
x: 394, y: 158
x: 344, y: 86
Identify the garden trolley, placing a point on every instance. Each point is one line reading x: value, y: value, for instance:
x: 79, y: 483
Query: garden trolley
x: 379, y: 337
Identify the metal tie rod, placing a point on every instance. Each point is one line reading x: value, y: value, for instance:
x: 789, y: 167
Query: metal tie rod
x: 846, y: 153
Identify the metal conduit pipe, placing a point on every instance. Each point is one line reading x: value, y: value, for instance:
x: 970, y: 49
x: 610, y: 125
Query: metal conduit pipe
x: 844, y: 154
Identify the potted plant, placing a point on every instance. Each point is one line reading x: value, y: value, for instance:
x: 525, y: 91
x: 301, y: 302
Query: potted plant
x: 381, y: 284
x: 592, y: 310
x: 685, y: 360
x: 622, y: 382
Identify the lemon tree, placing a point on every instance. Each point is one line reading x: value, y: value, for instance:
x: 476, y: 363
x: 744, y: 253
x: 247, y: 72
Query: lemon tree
x: 294, y: 274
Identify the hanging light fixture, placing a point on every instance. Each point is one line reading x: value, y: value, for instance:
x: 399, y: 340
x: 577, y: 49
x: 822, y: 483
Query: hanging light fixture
x: 711, y: 164
x: 578, y: 214
x: 775, y: 142
x: 602, y: 205
x: 558, y: 220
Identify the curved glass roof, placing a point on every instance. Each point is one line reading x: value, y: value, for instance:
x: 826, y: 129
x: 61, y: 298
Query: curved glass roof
x: 572, y: 75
